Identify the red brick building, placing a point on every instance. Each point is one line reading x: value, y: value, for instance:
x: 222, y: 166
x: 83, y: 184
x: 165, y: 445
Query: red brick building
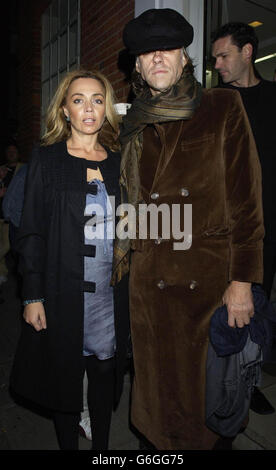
x: 43, y: 39
x: 98, y: 34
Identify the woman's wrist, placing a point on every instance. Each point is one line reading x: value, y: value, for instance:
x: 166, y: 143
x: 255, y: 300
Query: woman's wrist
x: 32, y: 301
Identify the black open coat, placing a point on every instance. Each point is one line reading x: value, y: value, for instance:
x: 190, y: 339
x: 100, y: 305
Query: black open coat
x: 48, y: 366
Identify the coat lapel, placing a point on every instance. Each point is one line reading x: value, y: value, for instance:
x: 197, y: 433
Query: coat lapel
x: 169, y: 135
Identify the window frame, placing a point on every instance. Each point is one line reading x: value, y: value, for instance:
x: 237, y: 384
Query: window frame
x: 56, y: 33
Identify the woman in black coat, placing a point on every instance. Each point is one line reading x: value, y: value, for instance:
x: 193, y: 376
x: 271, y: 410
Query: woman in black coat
x: 74, y: 320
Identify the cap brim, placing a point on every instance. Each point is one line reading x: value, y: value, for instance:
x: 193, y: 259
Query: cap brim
x: 156, y: 46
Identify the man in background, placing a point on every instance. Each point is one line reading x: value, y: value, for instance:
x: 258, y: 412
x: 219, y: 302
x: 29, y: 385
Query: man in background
x: 7, y: 171
x: 235, y: 47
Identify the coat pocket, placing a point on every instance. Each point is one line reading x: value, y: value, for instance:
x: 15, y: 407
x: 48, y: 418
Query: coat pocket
x: 197, y: 142
x: 217, y: 232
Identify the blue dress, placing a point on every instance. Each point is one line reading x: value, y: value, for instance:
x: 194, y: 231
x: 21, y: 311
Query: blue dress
x: 99, y: 332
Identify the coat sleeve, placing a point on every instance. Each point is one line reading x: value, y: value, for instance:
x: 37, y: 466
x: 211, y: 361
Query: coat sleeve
x: 243, y: 196
x: 31, y: 241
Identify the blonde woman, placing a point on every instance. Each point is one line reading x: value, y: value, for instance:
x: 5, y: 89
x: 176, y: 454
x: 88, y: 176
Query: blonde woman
x: 75, y: 322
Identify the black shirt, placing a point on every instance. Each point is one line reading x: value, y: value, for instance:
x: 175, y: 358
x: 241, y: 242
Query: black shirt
x: 260, y: 104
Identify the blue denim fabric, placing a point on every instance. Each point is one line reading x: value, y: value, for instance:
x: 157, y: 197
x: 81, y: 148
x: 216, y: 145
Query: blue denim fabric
x: 99, y: 333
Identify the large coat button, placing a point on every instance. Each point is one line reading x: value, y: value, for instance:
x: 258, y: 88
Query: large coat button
x: 184, y: 192
x: 193, y: 285
x: 154, y: 195
x: 161, y: 284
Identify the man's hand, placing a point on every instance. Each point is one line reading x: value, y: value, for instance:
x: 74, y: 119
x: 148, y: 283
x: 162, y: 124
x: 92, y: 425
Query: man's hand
x: 34, y: 314
x: 239, y: 302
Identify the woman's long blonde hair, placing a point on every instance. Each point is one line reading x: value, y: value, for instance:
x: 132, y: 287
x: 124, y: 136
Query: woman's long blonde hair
x: 58, y: 129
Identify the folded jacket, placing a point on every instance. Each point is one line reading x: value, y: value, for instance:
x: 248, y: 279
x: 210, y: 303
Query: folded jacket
x: 227, y: 340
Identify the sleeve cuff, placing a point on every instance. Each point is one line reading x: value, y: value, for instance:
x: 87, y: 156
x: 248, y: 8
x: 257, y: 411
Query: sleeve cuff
x: 246, y: 266
x: 32, y: 287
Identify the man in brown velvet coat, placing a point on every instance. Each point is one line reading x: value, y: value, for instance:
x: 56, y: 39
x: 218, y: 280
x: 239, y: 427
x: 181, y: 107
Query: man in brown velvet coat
x: 184, y: 146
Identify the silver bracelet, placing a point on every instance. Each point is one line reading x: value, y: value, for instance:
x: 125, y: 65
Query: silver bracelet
x: 27, y: 302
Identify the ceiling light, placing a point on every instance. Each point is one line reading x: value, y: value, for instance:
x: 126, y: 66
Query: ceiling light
x: 265, y: 57
x: 255, y: 24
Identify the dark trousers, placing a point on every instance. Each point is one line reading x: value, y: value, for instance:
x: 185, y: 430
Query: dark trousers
x: 269, y: 253
x: 101, y: 377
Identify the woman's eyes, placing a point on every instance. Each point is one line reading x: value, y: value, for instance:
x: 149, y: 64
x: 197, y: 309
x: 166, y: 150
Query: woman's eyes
x: 95, y: 101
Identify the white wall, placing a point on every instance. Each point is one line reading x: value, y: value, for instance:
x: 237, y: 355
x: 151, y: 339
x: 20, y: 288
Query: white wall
x: 266, y: 68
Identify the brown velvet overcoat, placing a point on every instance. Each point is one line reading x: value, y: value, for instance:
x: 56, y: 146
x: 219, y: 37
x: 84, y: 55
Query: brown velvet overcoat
x: 211, y: 162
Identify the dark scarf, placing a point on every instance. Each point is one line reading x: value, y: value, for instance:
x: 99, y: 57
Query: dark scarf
x: 179, y: 102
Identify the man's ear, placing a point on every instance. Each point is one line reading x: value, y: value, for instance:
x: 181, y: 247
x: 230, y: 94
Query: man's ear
x: 184, y: 58
x: 247, y: 51
x: 137, y: 65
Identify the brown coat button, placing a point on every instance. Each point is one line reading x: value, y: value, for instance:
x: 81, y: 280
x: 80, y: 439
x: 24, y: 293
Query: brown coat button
x: 161, y: 284
x: 193, y: 285
x: 184, y: 192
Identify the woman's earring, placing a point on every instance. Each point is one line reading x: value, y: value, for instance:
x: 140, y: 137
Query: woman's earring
x: 67, y: 118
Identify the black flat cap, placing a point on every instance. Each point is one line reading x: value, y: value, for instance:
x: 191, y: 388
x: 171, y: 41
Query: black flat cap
x: 157, y: 29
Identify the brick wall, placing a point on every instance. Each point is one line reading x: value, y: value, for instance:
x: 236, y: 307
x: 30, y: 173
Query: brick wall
x: 102, y: 23
x: 28, y: 74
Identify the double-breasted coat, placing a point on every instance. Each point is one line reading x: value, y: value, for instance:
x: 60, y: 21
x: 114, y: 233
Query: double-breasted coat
x: 48, y: 367
x: 209, y: 161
